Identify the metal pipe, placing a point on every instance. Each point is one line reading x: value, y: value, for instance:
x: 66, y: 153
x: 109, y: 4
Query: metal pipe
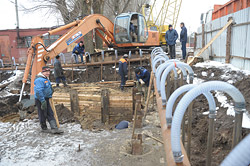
x: 2, y: 63
x: 88, y: 54
x: 21, y: 92
x: 62, y: 54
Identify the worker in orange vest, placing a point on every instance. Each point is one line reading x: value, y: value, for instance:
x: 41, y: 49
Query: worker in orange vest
x: 123, y: 70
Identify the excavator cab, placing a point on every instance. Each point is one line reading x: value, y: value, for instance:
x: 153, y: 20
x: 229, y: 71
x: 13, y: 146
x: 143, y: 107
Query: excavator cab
x: 130, y: 28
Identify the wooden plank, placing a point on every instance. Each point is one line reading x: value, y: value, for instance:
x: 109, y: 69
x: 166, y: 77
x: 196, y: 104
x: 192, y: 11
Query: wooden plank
x: 148, y: 95
x: 211, y: 41
x: 128, y: 105
x: 54, y: 111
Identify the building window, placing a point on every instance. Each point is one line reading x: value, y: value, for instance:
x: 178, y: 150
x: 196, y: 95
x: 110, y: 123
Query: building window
x: 24, y: 42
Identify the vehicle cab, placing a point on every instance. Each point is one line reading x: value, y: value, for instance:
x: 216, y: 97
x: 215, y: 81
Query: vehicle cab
x: 130, y: 28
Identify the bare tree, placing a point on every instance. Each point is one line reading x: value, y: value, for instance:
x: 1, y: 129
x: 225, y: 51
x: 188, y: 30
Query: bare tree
x: 116, y: 7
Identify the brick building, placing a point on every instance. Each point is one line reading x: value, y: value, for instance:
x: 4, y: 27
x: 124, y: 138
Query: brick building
x: 10, y: 46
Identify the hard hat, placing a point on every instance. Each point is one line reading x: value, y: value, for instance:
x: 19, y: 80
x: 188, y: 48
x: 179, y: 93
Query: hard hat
x: 125, y: 56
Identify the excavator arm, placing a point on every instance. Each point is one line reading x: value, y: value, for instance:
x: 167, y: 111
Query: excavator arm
x: 38, y: 54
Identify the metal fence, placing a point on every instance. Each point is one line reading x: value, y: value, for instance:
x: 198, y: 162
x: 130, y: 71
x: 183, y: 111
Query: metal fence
x: 240, y: 39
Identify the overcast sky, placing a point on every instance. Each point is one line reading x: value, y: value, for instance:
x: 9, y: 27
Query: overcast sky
x: 189, y: 14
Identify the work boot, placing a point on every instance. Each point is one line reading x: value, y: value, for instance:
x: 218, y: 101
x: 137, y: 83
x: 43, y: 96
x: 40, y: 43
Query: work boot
x: 44, y: 127
x: 65, y: 84
x: 57, y: 86
x: 54, y: 128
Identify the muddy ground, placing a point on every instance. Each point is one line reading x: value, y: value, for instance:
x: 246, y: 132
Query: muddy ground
x: 224, y: 123
x: 107, y: 146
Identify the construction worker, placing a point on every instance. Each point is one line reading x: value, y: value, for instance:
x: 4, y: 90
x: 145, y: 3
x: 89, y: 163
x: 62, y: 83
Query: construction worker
x: 58, y: 72
x: 143, y: 78
x: 183, y: 39
x: 78, y: 50
x: 43, y: 92
x: 123, y: 70
x: 171, y: 37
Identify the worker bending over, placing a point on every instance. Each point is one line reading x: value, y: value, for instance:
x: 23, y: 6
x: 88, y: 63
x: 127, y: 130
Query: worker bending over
x: 78, y: 50
x: 143, y: 78
x: 123, y: 70
x: 58, y: 72
x: 43, y: 92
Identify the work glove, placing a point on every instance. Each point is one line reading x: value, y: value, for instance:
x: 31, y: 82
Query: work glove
x: 141, y: 81
x: 44, y: 105
x: 126, y: 77
x: 76, y: 51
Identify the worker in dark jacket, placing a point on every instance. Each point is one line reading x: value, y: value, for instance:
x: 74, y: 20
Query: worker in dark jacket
x: 143, y: 78
x: 58, y: 72
x: 171, y: 37
x: 78, y: 50
x: 43, y: 92
x: 123, y: 70
x: 183, y: 39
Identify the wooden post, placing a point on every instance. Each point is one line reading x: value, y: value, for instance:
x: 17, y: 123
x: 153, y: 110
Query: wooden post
x: 148, y: 95
x: 195, y: 41
x: 87, y: 75
x: 74, y: 101
x: 54, y: 111
x: 228, y: 45
x: 129, y: 68
x: 137, y: 148
x: 72, y: 72
x: 101, y: 72
x: 203, y: 35
x: 105, y: 105
x: 136, y: 122
x: 115, y: 71
x: 134, y: 92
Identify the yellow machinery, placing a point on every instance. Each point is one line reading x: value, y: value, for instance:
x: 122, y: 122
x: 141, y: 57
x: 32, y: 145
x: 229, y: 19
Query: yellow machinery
x: 168, y: 14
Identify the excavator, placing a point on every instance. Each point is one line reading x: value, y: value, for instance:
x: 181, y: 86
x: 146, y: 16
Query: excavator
x: 117, y: 35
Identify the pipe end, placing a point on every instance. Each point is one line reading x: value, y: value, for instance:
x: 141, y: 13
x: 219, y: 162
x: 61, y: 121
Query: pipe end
x: 178, y: 157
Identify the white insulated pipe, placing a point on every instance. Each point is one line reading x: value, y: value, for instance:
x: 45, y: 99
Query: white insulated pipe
x: 188, y: 98
x: 165, y: 74
x: 240, y: 155
x: 181, y: 90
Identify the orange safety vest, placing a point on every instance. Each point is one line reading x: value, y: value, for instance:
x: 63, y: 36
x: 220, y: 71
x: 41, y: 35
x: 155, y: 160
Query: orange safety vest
x: 122, y: 60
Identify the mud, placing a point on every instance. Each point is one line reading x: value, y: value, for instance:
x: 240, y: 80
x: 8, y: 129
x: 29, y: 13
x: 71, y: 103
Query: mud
x: 223, y: 125
x: 93, y: 73
x: 64, y: 114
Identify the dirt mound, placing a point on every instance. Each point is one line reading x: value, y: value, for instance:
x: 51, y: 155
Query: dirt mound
x: 223, y: 130
x: 8, y: 105
x: 64, y: 114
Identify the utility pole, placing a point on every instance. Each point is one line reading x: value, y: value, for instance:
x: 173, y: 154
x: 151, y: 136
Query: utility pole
x: 17, y: 20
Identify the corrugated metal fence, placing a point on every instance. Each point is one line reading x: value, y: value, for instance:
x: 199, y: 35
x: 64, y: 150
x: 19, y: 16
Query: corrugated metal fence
x: 240, y: 39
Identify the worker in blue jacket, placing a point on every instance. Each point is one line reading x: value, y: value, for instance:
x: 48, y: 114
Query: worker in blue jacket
x: 78, y: 50
x: 171, y: 37
x: 143, y: 78
x: 43, y: 92
x: 123, y: 70
x: 183, y: 39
